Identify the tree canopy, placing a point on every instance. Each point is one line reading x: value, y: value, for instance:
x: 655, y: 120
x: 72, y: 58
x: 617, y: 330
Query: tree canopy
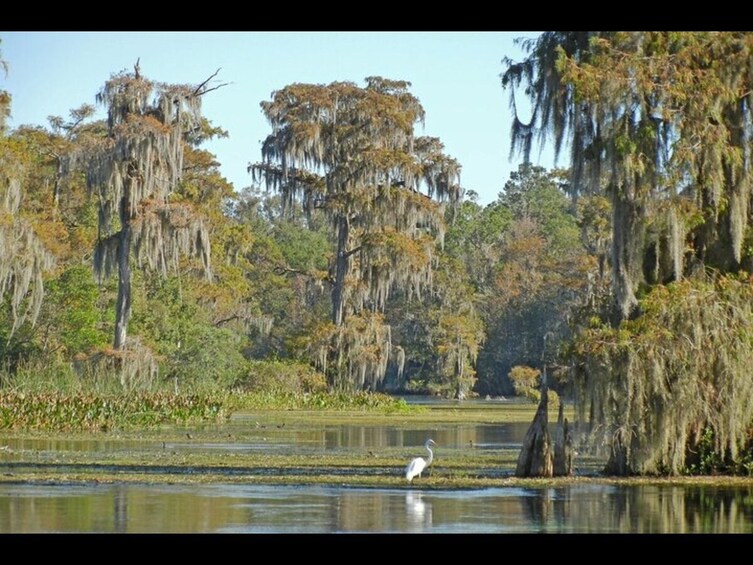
x: 351, y: 152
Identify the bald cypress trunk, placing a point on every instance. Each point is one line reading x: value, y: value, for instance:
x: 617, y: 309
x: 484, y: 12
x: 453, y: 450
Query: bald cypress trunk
x: 123, y: 308
x: 341, y: 271
x: 535, y: 459
x: 627, y: 245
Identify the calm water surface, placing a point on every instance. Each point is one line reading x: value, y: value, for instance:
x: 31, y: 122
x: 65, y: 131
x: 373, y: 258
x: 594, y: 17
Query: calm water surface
x: 132, y: 508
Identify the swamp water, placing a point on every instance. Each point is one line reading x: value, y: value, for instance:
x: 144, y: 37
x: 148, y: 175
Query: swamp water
x: 134, y: 508
x: 231, y: 507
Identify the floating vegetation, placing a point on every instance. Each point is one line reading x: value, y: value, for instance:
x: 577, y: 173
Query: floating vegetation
x: 90, y: 411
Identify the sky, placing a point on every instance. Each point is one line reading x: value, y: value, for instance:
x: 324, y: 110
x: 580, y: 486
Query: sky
x: 455, y: 75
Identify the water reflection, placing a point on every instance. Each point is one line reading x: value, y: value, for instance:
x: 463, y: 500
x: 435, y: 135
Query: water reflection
x: 314, y: 437
x: 588, y: 508
x: 417, y: 511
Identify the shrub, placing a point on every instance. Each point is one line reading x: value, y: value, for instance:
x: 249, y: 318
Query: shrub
x: 527, y: 383
x: 282, y: 377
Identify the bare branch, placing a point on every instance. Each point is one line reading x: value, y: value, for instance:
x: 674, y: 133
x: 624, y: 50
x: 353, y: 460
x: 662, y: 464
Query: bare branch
x: 201, y: 90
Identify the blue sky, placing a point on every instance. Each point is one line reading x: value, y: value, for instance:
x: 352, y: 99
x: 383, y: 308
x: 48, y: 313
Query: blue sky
x: 455, y: 75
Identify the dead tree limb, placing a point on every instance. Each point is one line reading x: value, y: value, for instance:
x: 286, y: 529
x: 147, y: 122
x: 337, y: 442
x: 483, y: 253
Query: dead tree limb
x: 201, y: 90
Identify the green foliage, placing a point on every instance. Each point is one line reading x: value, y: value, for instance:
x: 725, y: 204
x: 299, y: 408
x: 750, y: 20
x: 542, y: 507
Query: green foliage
x: 709, y: 461
x: 704, y: 458
x: 71, y: 404
x: 274, y: 275
x: 363, y: 401
x: 47, y: 374
x: 191, y: 348
x: 206, y: 354
x: 71, y: 311
x: 533, y: 192
x: 282, y: 377
x: 527, y: 383
x: 474, y: 237
x: 537, y: 281
x: 302, y: 248
x: 18, y: 347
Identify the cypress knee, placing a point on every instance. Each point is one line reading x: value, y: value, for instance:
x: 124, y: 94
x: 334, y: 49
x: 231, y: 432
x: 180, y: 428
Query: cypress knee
x: 563, y: 446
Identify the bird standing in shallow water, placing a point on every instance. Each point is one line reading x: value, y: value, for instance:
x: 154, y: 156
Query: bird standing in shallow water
x: 419, y: 464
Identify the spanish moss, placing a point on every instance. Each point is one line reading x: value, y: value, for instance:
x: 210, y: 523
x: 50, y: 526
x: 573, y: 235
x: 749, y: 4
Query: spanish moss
x: 24, y: 260
x: 649, y: 391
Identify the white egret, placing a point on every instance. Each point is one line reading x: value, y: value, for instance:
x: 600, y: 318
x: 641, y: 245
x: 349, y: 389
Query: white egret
x: 417, y: 466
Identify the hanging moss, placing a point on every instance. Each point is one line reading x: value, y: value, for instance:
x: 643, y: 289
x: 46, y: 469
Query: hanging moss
x: 136, y: 365
x: 648, y: 119
x: 649, y: 389
x: 24, y: 260
x: 355, y: 354
x: 165, y: 232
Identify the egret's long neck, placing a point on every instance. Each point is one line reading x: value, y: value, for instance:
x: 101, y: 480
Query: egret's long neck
x: 431, y: 456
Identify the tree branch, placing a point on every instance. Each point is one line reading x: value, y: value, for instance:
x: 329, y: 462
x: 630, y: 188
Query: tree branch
x: 288, y: 271
x: 201, y: 90
x: 218, y: 323
x: 352, y: 251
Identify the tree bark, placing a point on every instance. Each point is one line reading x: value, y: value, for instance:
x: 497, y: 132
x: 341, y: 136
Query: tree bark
x: 123, y: 308
x: 535, y: 459
x: 618, y: 462
x: 563, y: 446
x: 341, y: 270
x: 627, y: 243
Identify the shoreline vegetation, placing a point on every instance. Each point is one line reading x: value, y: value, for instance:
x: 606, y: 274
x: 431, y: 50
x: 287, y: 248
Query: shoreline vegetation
x: 205, y: 439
